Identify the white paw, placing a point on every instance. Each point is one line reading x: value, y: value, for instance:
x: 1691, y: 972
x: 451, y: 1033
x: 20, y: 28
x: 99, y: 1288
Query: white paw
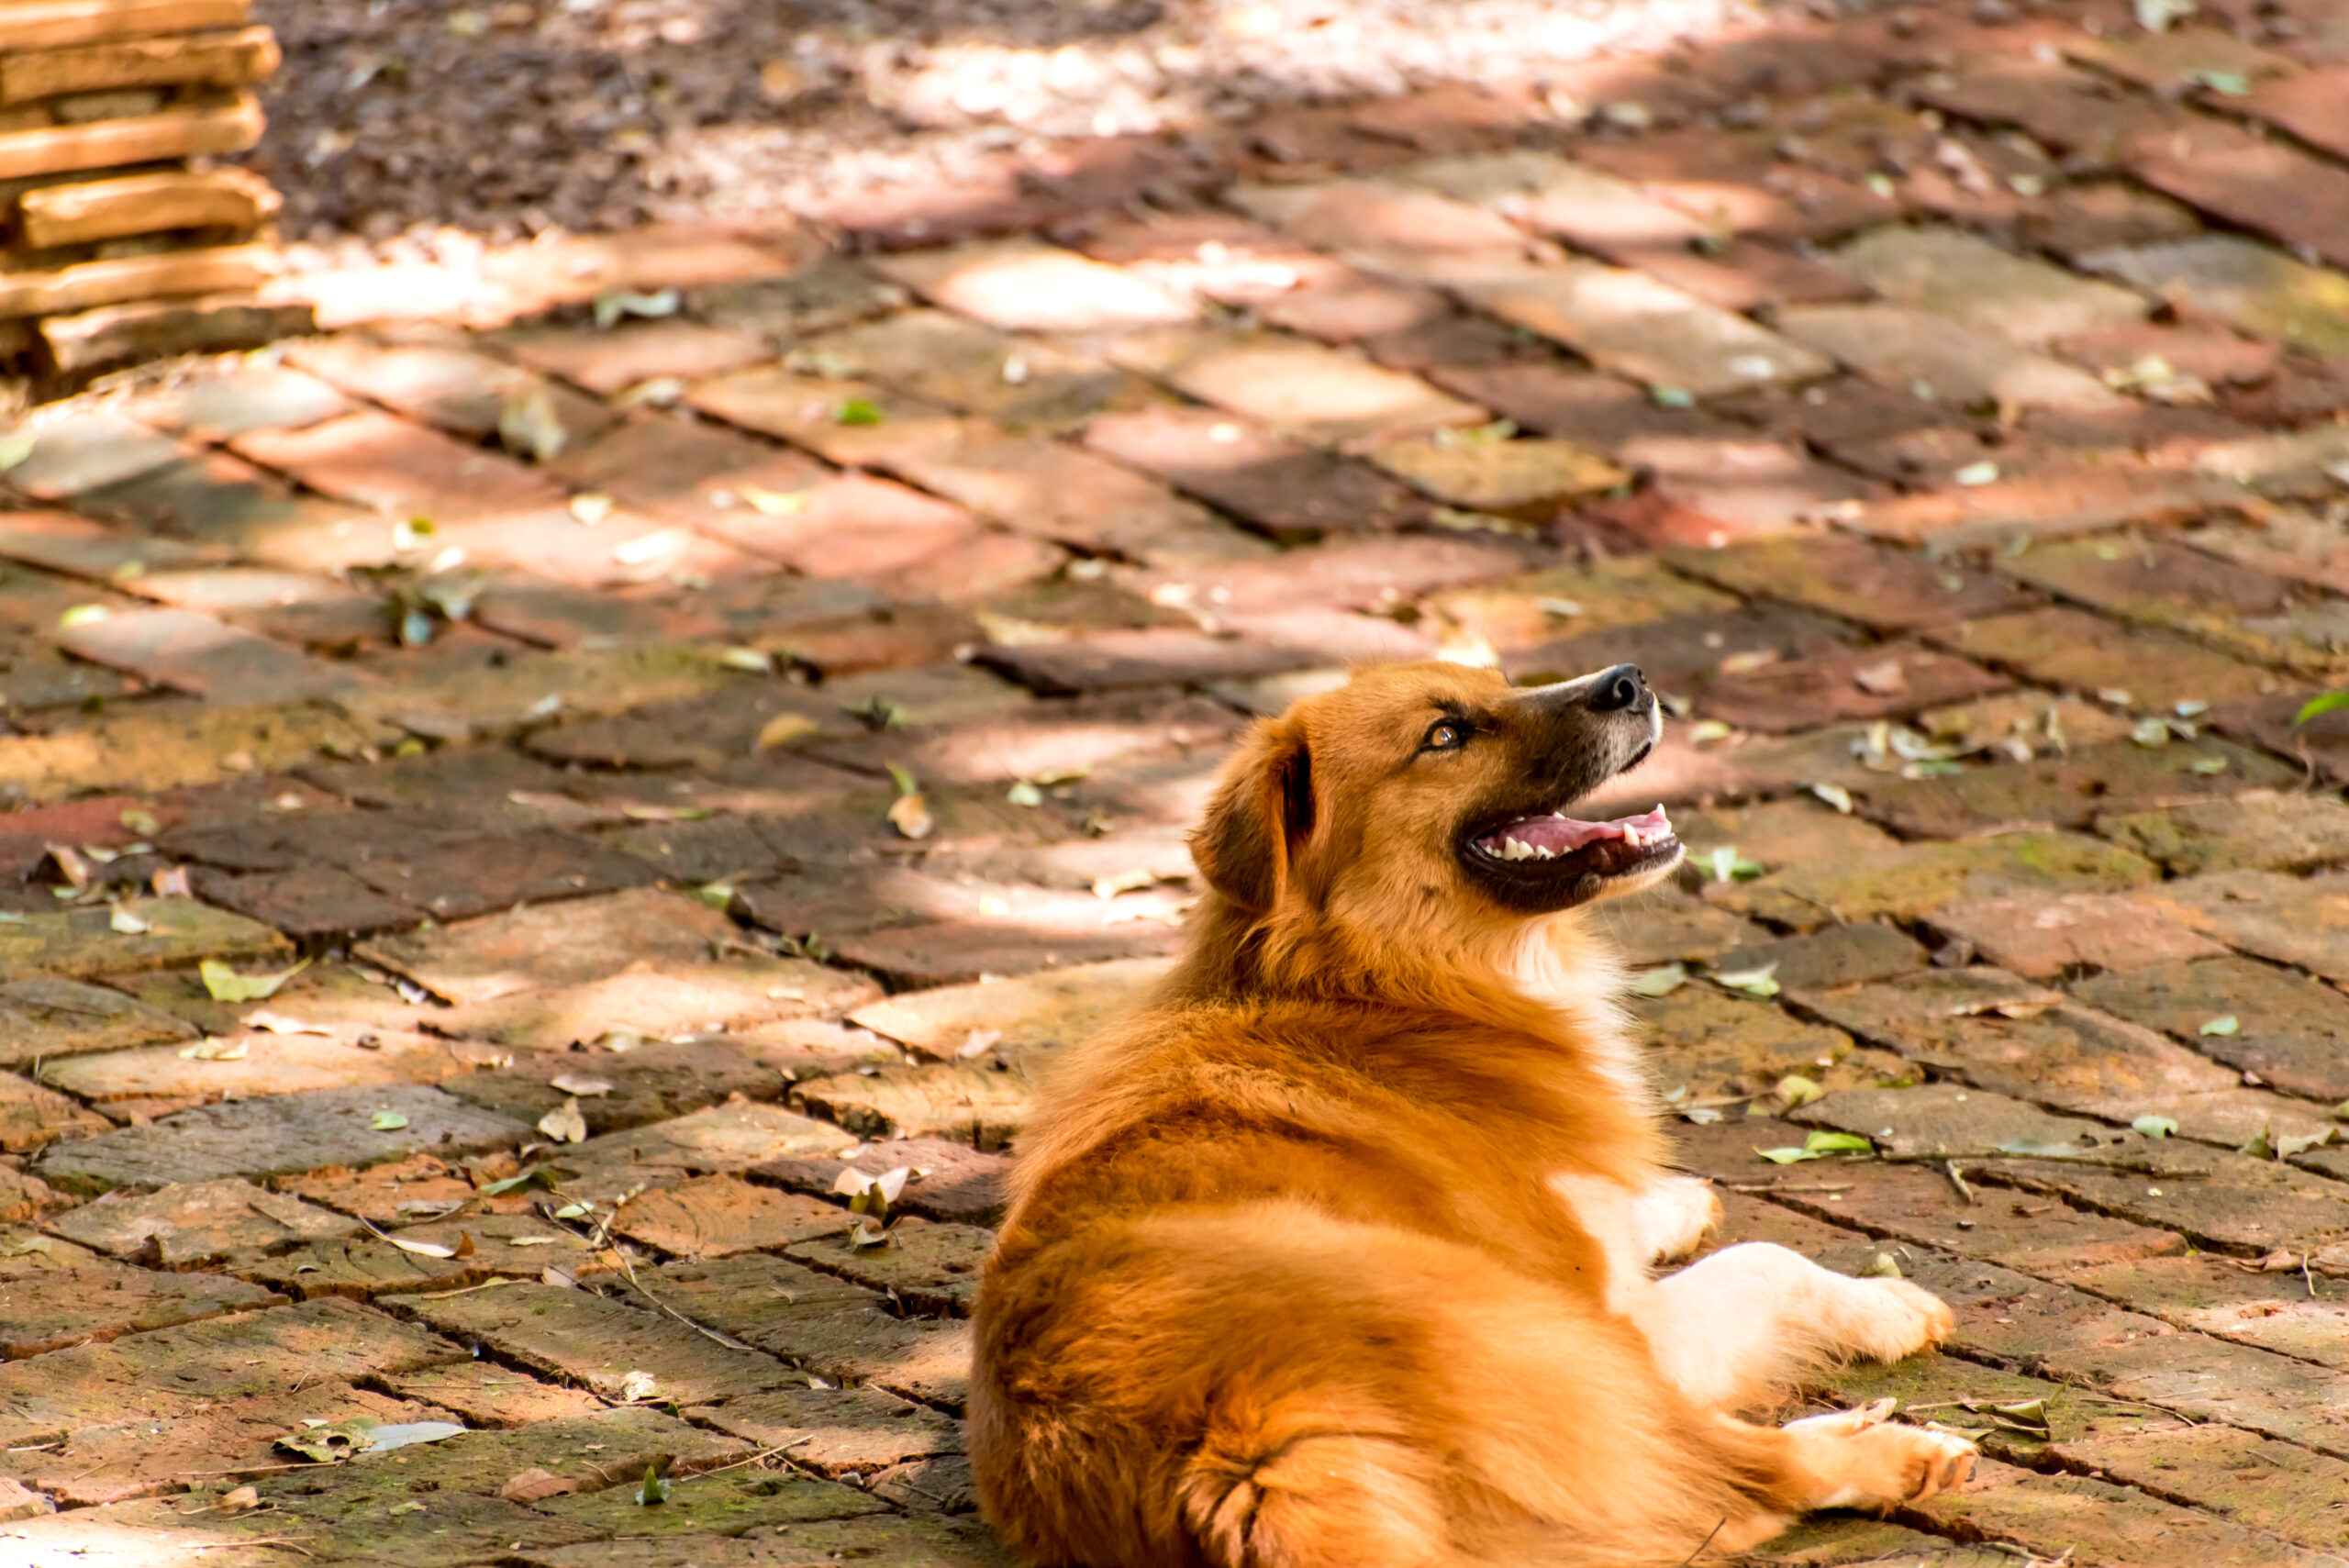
x: 1672, y: 1215
x: 1886, y: 1319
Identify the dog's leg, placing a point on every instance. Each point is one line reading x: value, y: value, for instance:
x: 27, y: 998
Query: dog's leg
x: 1732, y: 1328
x: 1671, y: 1215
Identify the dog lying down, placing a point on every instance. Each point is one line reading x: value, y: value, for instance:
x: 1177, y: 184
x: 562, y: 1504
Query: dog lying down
x: 1337, y: 1254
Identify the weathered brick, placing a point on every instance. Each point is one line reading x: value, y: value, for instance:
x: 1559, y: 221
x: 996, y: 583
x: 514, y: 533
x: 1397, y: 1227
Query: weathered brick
x: 714, y: 1217
x: 1631, y: 324
x: 978, y: 1104
x: 2291, y: 919
x: 2046, y: 935
x: 1294, y: 386
x: 839, y: 1330
x: 1940, y: 360
x: 44, y: 1018
x: 2289, y: 1030
x: 186, y: 1226
x: 1023, y: 285
x: 1887, y: 589
x: 78, y: 944
x: 595, y: 1341
x: 946, y: 1181
x: 833, y: 1431
x: 281, y: 1134
x: 2071, y: 790
x: 1949, y: 272
x: 2244, y: 284
x: 1913, y: 881
x: 2256, y: 830
x: 2070, y: 648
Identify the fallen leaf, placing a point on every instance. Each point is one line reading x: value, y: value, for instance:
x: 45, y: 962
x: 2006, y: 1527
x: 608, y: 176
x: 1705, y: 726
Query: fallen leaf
x: 565, y: 1123
x: 211, y: 1048
x: 2155, y: 1126
x: 782, y: 730
x: 331, y: 1445
x: 407, y: 1432
x: 636, y: 1386
x: 2029, y: 1007
x: 1835, y: 795
x: 238, y: 1498
x: 421, y: 1248
x: 590, y: 508
x: 142, y: 823
x: 278, y: 1023
x: 1023, y: 793
x: 528, y: 426
x: 1750, y: 660
x: 1793, y: 1089
x: 530, y: 1485
x: 387, y: 1121
x: 226, y: 985
x: 579, y: 1084
x: 773, y: 503
x: 1761, y: 982
x: 1730, y: 866
x: 1881, y: 1266
x: 610, y: 306
x: 1885, y: 680
x: 654, y: 1490
x: 1819, y: 1144
x: 1975, y: 473
x: 1661, y: 981
x: 122, y: 920
x: 857, y: 411
x: 536, y: 1176
x: 1124, y: 882
x: 910, y: 815
x: 2222, y: 1025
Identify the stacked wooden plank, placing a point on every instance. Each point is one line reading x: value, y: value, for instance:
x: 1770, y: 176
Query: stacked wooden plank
x: 120, y: 237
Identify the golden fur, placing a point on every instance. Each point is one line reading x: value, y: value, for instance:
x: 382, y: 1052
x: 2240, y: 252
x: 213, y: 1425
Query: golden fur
x: 1337, y: 1254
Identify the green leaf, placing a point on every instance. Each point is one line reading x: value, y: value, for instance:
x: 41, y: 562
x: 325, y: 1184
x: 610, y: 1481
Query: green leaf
x: 1671, y: 398
x: 2207, y: 767
x: 2226, y: 83
x: 900, y: 775
x: 2288, y: 1147
x: 536, y: 1176
x: 2224, y: 1024
x: 386, y: 1121
x: 857, y: 411
x: 332, y: 1444
x: 1753, y: 982
x: 81, y: 615
x: 1786, y: 1156
x: 1881, y: 1266
x: 2262, y: 1146
x: 1661, y: 981
x: 718, y: 896
x: 226, y: 985
x: 142, y: 823
x: 1795, y: 1089
x: 1821, y: 1141
x: 654, y: 1490
x: 2155, y: 1126
x: 1730, y: 866
x: 2320, y: 705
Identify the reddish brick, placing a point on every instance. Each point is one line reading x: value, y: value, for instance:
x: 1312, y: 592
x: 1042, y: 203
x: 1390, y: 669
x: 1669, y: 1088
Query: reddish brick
x: 398, y: 468
x: 610, y: 361
x: 1288, y: 490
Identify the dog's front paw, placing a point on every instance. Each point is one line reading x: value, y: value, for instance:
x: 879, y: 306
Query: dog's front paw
x: 1861, y: 1462
x: 1672, y: 1214
x: 1896, y: 1318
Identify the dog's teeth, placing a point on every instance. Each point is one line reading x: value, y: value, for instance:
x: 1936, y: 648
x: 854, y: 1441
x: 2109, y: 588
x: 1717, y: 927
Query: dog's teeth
x: 1544, y: 853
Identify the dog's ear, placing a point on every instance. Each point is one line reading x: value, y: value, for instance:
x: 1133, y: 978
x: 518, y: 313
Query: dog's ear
x: 1262, y: 811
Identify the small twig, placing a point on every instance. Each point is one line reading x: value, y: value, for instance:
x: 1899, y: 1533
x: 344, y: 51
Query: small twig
x: 2307, y: 1278
x: 1704, y: 1543
x: 467, y: 1290
x: 1957, y: 1179
x: 1775, y: 1187
x: 762, y: 1454
x: 2102, y: 1161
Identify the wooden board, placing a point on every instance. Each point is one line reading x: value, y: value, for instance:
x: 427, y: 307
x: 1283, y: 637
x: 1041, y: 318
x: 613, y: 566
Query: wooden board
x: 215, y: 60
x: 91, y: 210
x: 230, y: 126
x: 153, y: 328
x: 221, y: 270
x: 50, y: 23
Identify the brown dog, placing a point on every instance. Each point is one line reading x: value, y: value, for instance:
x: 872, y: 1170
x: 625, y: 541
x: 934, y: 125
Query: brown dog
x: 1337, y: 1254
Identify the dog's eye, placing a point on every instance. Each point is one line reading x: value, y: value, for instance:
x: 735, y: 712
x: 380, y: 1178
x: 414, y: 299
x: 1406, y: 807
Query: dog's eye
x: 1448, y: 736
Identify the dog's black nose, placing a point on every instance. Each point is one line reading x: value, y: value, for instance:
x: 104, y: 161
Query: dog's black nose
x: 1617, y: 689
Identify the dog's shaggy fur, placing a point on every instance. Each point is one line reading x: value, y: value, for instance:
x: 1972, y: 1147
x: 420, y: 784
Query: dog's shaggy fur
x: 1337, y: 1255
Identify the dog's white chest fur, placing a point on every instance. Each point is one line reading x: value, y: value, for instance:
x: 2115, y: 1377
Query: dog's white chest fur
x: 1583, y: 986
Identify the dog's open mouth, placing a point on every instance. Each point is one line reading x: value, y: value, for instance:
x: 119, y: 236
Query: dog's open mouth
x: 1548, y: 844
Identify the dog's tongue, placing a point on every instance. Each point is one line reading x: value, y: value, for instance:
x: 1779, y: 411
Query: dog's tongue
x: 1547, y: 838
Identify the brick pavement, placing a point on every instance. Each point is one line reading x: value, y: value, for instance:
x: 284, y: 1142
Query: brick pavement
x: 675, y: 771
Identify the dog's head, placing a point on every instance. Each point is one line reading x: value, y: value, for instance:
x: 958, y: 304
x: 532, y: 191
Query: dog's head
x: 1418, y: 795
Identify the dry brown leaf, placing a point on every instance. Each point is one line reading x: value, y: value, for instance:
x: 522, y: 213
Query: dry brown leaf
x: 782, y: 730
x: 909, y: 813
x: 464, y: 1247
x: 565, y: 1123
x: 531, y: 1485
x: 580, y: 1085
x: 238, y: 1499
x: 1885, y: 680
